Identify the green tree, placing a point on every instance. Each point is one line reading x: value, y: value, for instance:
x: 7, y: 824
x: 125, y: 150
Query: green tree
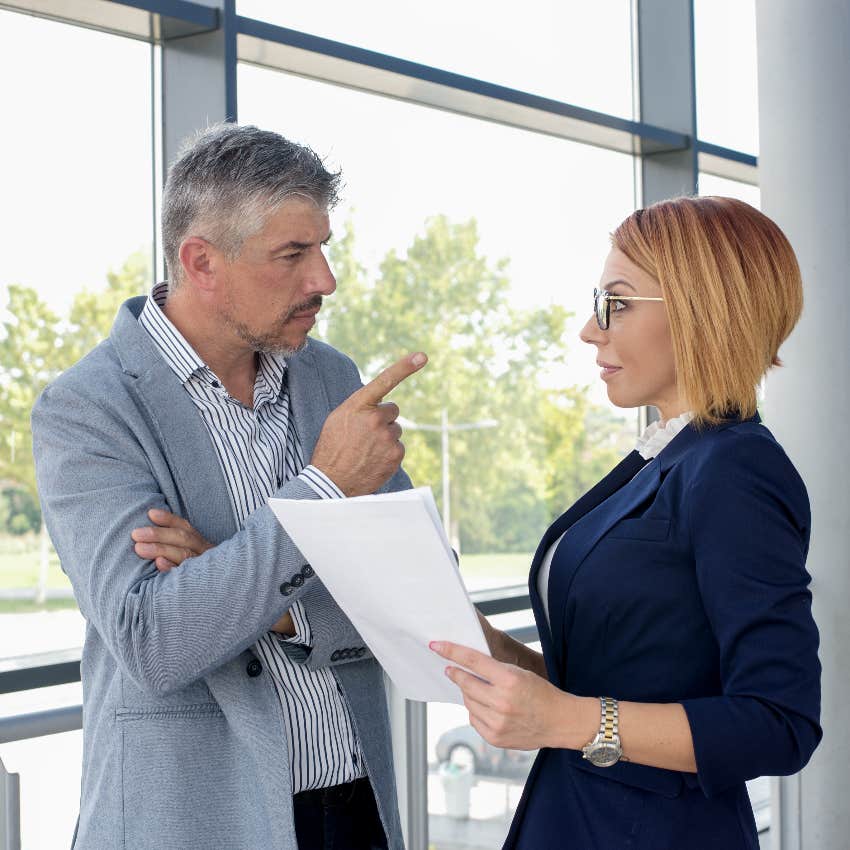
x: 486, y: 360
x: 36, y: 346
x: 583, y: 442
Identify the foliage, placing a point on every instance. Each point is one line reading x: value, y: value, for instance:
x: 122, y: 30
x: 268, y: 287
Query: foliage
x: 19, y: 511
x: 37, y: 345
x: 486, y: 360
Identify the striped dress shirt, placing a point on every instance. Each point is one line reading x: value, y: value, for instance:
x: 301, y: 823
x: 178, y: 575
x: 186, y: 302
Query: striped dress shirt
x: 258, y: 450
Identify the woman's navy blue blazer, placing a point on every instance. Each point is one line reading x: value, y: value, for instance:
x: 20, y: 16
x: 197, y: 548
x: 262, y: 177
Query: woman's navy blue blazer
x: 684, y: 582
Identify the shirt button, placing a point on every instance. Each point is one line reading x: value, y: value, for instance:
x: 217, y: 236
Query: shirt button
x: 254, y: 668
x: 217, y: 384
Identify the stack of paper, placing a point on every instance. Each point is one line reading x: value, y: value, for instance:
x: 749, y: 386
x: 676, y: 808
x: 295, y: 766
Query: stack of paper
x: 386, y: 561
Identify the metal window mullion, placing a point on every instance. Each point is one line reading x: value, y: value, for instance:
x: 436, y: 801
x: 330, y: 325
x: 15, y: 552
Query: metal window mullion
x: 665, y: 94
x: 10, y: 809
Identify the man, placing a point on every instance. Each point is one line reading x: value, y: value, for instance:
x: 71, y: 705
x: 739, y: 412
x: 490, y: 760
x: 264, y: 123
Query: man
x: 203, y: 728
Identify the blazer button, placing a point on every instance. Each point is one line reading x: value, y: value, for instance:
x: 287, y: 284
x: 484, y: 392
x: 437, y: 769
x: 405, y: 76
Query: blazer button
x: 346, y: 653
x: 254, y: 668
x: 297, y: 580
x: 286, y: 588
x: 307, y: 571
x: 335, y: 655
x: 361, y: 651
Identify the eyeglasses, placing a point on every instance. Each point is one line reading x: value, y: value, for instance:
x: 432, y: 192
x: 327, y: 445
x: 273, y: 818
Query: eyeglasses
x: 602, y: 305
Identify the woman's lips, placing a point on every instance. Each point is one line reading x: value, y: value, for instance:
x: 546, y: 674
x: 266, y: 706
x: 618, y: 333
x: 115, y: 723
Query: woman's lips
x: 608, y: 370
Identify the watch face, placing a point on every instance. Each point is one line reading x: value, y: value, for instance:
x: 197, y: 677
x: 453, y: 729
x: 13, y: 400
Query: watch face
x: 604, y: 755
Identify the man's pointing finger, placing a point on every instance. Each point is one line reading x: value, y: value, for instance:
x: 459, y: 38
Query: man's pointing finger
x: 390, y: 378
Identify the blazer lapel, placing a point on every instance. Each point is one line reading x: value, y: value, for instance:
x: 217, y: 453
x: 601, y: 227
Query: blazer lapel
x: 180, y: 432
x: 308, y: 399
x: 191, y: 455
x: 583, y: 536
x: 611, y: 483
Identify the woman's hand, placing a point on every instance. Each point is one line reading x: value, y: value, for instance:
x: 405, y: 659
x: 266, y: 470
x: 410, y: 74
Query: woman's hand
x: 172, y: 540
x: 169, y: 541
x: 504, y: 648
x: 515, y: 708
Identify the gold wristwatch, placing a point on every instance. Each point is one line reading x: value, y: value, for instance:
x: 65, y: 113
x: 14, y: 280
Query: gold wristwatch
x: 605, y: 750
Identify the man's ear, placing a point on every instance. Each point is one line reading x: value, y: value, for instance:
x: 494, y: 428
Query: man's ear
x: 201, y: 260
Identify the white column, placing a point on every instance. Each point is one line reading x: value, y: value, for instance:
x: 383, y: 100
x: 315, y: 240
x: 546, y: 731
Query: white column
x: 804, y: 171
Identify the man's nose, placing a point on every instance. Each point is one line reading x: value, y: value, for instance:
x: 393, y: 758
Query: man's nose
x: 321, y: 279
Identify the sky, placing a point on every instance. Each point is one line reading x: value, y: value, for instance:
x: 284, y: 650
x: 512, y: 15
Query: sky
x: 77, y: 175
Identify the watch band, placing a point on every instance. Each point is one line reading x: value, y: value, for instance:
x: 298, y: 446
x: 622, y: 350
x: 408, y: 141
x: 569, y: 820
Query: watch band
x: 609, y: 728
x: 605, y: 749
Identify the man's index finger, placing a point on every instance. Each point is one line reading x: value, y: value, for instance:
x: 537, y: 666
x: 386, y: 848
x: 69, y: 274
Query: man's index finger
x: 391, y: 377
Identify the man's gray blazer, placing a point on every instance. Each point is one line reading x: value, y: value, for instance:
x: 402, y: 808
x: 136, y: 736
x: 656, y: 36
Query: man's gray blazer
x: 183, y: 748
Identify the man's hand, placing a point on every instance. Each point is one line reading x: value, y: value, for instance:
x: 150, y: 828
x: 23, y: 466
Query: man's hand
x: 359, y: 448
x: 172, y: 540
x: 169, y: 542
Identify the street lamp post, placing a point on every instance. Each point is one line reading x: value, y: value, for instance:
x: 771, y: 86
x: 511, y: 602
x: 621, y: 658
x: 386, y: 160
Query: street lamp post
x: 445, y: 428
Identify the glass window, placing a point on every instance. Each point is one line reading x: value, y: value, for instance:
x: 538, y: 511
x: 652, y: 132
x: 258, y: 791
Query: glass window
x: 579, y: 54
x: 727, y: 73
x: 711, y: 185
x: 78, y: 214
x: 479, y: 244
x: 78, y: 204
x: 78, y: 201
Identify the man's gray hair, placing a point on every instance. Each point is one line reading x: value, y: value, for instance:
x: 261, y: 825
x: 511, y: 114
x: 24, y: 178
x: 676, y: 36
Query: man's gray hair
x: 228, y: 180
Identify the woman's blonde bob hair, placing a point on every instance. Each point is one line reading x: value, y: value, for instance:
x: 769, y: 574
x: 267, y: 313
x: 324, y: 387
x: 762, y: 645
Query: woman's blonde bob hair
x: 732, y: 290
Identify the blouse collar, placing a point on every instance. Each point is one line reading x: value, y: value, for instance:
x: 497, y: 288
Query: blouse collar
x: 657, y: 435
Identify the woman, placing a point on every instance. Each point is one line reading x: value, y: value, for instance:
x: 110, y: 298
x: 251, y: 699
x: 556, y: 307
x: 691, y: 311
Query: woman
x: 676, y: 588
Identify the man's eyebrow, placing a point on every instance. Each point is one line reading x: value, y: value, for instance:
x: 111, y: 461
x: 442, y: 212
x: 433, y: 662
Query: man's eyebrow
x: 618, y: 281
x: 292, y: 245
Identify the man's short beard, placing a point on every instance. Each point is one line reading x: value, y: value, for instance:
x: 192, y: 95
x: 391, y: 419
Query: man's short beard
x: 269, y: 342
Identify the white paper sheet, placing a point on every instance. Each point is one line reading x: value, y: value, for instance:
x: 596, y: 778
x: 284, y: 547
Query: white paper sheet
x: 386, y: 561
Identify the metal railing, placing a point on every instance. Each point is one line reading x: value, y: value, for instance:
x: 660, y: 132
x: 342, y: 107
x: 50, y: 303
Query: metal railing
x: 63, y: 667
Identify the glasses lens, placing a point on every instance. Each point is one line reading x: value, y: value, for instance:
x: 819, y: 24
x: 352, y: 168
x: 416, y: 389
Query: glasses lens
x: 600, y: 307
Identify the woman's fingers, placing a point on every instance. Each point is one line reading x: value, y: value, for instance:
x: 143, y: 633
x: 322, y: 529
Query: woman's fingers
x: 484, y: 666
x: 472, y: 686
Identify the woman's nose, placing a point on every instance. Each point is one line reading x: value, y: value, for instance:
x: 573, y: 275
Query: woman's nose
x: 591, y: 333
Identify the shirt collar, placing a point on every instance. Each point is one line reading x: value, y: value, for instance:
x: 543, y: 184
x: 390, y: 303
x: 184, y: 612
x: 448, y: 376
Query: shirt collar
x: 656, y: 436
x: 185, y: 361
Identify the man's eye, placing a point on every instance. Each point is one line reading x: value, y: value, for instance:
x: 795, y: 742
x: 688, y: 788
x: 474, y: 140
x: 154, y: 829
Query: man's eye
x: 294, y: 256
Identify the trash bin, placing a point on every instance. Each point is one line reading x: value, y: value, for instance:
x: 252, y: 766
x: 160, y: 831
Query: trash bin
x: 457, y: 782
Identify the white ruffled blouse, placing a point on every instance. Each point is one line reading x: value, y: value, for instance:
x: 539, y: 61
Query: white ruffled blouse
x: 649, y: 445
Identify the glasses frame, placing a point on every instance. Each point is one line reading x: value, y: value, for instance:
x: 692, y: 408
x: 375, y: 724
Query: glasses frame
x: 602, y: 305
